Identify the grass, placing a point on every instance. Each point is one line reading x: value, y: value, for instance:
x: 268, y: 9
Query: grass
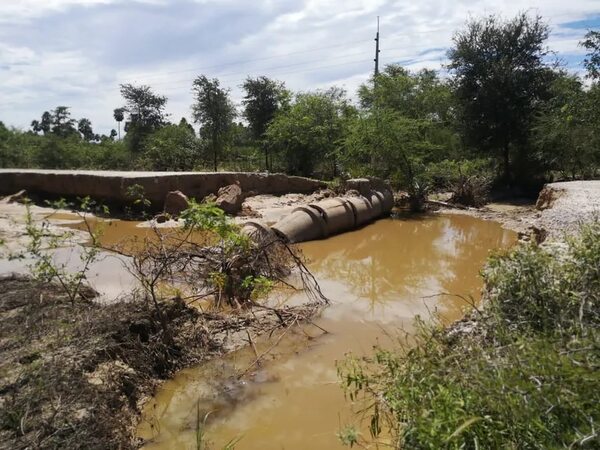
x: 524, y: 373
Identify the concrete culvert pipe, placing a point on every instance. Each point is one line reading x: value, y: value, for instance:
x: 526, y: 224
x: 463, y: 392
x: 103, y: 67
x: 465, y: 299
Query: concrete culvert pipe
x: 376, y: 199
x: 303, y: 224
x: 258, y: 231
x: 337, y: 213
x: 363, y: 211
x: 388, y: 201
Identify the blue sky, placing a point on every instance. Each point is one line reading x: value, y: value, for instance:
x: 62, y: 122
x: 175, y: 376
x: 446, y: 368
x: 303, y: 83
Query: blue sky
x: 77, y: 52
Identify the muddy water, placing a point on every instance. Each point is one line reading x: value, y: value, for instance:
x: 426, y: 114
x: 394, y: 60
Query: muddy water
x: 109, y: 273
x: 378, y: 279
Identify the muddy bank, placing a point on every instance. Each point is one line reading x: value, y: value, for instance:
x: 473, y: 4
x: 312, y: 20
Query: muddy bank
x: 76, y: 375
x: 559, y: 210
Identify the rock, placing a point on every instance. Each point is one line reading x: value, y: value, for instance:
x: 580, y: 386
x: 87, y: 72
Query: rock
x: 247, y: 211
x: 19, y: 197
x: 538, y: 234
x: 210, y: 198
x: 324, y: 193
x: 547, y: 197
x: 230, y: 198
x: 362, y: 185
x: 175, y: 202
x: 161, y: 218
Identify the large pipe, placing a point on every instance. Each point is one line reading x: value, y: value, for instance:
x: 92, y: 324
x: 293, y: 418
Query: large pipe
x: 257, y: 231
x: 303, y: 224
x: 388, y: 200
x: 376, y: 199
x: 334, y: 215
x: 363, y: 211
x: 337, y: 213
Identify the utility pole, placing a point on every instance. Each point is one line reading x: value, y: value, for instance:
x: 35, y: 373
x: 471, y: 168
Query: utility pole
x: 377, y: 49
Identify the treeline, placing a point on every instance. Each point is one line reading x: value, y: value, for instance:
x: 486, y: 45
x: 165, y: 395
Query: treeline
x: 506, y: 114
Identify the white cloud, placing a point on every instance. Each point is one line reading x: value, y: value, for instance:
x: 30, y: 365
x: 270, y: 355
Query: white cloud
x: 311, y: 44
x: 22, y: 10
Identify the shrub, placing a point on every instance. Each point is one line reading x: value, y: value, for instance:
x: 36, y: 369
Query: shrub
x: 469, y: 181
x: 526, y: 376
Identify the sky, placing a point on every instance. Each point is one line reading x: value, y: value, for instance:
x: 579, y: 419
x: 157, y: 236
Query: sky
x: 77, y: 52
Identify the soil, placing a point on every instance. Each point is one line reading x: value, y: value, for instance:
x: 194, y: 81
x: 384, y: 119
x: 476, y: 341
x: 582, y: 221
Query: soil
x: 76, y: 375
x: 560, y: 210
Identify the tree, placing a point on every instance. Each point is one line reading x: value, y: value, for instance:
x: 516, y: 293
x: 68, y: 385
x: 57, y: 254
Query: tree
x: 263, y: 99
x: 113, y: 134
x: 46, y: 123
x: 311, y: 131
x: 145, y: 110
x: 592, y: 62
x: 386, y: 144
x: 85, y: 128
x: 183, y: 123
x: 173, y: 147
x: 563, y: 132
x: 500, y: 80
x: 119, y: 115
x: 215, y: 112
x: 419, y: 95
x: 62, y: 123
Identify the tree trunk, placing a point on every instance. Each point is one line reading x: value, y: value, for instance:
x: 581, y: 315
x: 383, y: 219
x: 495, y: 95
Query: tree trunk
x: 507, y: 168
x: 266, y: 158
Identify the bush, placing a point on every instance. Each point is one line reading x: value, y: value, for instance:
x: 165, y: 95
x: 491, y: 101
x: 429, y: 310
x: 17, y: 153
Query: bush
x: 468, y: 180
x: 525, y: 376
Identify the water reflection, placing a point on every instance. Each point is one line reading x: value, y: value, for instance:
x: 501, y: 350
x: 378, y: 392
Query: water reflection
x: 377, y: 278
x: 396, y: 261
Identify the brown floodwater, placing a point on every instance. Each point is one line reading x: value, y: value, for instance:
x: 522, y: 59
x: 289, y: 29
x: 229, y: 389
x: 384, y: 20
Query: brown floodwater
x: 378, y: 278
x: 109, y: 273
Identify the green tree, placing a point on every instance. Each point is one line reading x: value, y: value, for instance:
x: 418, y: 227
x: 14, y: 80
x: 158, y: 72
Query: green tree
x: 183, y: 123
x: 591, y: 43
x: 262, y: 100
x: 62, y: 123
x: 85, y: 128
x: 500, y: 79
x: 58, y: 122
x: 420, y: 95
x: 565, y: 133
x: 44, y: 125
x: 146, y: 113
x: 173, y: 147
x: 214, y: 111
x: 311, y: 131
x: 119, y: 115
x: 386, y: 144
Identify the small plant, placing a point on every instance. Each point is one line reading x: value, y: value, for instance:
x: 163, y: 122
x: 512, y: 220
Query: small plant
x: 210, y: 258
x: 349, y: 436
x: 140, y: 204
x: 44, y: 241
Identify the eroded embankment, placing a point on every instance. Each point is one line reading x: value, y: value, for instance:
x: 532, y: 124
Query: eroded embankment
x: 112, y: 186
x: 559, y: 210
x: 76, y: 375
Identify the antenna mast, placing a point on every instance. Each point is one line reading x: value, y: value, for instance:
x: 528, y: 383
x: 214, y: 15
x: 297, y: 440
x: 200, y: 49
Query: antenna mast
x: 377, y: 49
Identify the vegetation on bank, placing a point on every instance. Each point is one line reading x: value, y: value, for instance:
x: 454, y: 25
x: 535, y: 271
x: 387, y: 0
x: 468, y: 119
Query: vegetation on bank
x: 524, y: 372
x: 506, y: 115
x: 74, y: 372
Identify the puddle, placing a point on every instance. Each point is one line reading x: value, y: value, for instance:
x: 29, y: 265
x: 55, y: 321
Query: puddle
x: 378, y: 279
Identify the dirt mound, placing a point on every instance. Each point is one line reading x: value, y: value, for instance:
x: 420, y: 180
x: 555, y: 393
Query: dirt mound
x: 76, y: 375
